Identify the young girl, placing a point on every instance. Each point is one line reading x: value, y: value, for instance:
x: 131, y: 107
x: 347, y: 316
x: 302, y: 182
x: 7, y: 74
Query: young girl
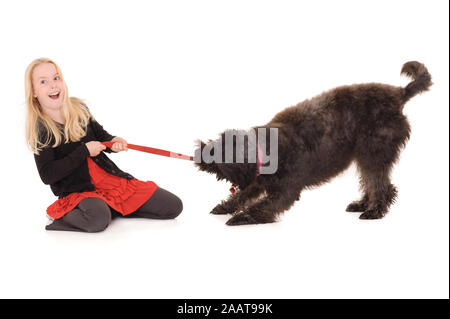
x: 66, y: 142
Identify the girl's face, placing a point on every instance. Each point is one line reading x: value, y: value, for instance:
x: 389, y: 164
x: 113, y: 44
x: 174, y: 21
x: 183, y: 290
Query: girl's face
x: 48, y: 87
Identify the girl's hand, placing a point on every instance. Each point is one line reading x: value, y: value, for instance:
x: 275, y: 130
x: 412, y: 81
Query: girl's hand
x: 119, y: 145
x: 95, y: 147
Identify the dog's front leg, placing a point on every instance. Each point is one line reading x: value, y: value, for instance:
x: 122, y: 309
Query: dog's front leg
x: 359, y: 206
x: 266, y: 210
x: 238, y: 200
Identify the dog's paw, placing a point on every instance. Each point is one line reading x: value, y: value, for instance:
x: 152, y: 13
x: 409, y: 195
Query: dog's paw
x: 220, y: 210
x: 372, y: 214
x: 241, y: 219
x: 356, y: 207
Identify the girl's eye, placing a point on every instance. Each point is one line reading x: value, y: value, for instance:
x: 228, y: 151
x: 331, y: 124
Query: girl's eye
x: 43, y: 81
x: 56, y: 78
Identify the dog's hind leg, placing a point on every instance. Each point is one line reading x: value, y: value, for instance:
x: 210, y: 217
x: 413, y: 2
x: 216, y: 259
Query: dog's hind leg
x: 266, y: 210
x: 375, y: 163
x: 381, y: 194
x: 239, y: 200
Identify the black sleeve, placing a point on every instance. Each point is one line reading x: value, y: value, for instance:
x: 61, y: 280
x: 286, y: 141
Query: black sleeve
x: 52, y: 170
x: 101, y: 134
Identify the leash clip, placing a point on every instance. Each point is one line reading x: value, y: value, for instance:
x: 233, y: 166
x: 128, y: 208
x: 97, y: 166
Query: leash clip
x: 233, y: 188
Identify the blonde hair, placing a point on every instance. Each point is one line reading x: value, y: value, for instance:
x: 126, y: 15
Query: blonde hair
x: 74, y: 110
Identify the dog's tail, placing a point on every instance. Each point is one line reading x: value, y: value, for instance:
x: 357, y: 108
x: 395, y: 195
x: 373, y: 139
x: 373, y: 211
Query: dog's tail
x: 421, y: 78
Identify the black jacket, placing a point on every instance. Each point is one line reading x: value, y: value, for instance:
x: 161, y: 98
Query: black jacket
x: 65, y: 167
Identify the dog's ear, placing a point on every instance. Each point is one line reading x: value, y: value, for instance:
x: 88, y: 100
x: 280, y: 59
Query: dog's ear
x: 241, y: 174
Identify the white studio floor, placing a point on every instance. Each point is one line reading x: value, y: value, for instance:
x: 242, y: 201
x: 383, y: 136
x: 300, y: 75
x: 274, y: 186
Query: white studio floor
x: 317, y: 250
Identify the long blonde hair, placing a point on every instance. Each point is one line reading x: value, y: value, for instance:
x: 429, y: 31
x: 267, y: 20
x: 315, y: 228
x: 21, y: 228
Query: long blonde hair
x: 74, y: 110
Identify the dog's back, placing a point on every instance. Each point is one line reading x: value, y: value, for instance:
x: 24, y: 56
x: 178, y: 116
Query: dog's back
x: 362, y: 100
x: 325, y: 133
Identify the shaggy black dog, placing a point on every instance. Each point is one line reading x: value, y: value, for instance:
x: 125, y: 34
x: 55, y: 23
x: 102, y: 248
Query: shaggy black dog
x: 319, y: 138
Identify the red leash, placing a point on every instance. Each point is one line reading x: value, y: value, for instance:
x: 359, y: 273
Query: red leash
x: 153, y: 151
x: 158, y: 151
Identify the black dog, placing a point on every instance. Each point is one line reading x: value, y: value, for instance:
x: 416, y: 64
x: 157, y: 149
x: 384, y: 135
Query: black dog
x: 319, y: 138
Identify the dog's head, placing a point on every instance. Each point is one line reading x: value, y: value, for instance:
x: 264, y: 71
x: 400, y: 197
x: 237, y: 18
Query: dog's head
x: 239, y: 167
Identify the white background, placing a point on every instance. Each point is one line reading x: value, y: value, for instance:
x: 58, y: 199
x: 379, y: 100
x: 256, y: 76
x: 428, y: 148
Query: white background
x: 164, y: 74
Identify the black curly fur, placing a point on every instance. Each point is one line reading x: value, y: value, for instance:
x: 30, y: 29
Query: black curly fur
x: 319, y: 138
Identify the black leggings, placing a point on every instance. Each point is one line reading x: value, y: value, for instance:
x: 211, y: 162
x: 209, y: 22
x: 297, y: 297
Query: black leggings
x: 94, y: 215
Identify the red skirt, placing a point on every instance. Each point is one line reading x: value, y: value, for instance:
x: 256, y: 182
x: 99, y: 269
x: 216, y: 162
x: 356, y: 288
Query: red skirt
x: 122, y: 194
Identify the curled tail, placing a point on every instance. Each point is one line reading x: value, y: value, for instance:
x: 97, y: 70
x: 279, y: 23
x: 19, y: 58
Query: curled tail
x: 421, y: 78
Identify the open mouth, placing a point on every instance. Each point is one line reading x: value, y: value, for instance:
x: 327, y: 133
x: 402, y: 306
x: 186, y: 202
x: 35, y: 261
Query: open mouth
x: 54, y: 96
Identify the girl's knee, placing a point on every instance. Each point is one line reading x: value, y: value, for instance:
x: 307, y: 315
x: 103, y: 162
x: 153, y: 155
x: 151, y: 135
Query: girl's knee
x: 168, y: 205
x: 96, y: 213
x: 98, y: 222
x: 176, y: 208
